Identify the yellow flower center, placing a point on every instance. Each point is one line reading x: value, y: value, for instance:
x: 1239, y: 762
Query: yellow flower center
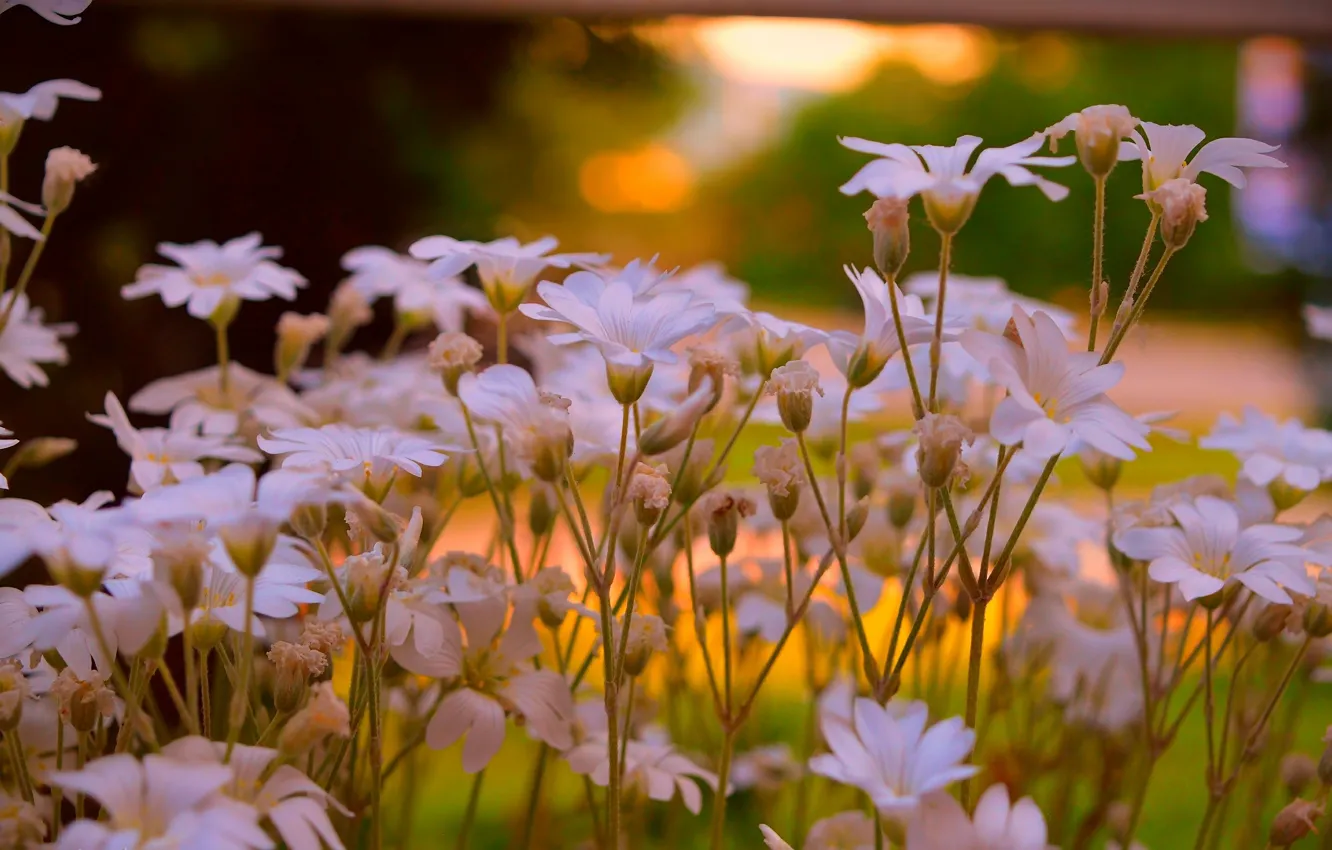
x: 214, y: 279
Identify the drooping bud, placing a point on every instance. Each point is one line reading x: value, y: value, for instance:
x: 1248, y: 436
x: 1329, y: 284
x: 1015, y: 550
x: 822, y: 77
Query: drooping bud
x: 1182, y: 204
x: 453, y: 355
x: 323, y: 716
x: 13, y: 693
x: 65, y: 167
x: 1297, y: 771
x: 723, y: 512
x: 296, y: 334
x: 887, y: 219
x: 294, y: 667
x: 781, y: 469
x: 650, y: 493
x: 941, y: 437
x: 1294, y: 822
x: 794, y: 384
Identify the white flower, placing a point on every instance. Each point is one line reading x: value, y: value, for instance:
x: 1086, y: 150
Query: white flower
x: 164, y: 455
x: 1270, y: 450
x: 1207, y: 548
x: 710, y: 284
x: 379, y: 272
x: 1165, y: 155
x: 940, y: 175
x: 25, y: 342
x: 196, y: 401
x: 942, y: 824
x: 88, y: 534
x: 507, y: 267
x: 63, y: 12
x: 1054, y: 394
x: 374, y: 453
x: 984, y: 303
x: 208, y: 274
x: 1319, y: 321
x: 655, y: 767
x: 890, y: 755
x: 629, y: 331
x: 766, y: 341
x: 15, y: 223
x: 159, y: 802
x: 41, y: 100
x: 879, y: 340
x: 288, y: 799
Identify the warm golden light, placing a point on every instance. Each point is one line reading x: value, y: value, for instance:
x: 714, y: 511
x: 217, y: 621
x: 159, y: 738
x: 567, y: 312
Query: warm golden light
x: 652, y: 179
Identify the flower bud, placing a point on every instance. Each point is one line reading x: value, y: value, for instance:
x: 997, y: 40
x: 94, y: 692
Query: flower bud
x: 249, y: 542
x: 347, y: 310
x: 856, y: 516
x: 323, y: 716
x: 901, y: 506
x: 887, y: 219
x: 373, y: 519
x: 941, y: 437
x: 679, y: 422
x: 1317, y: 620
x: 1097, y: 132
x: 296, y: 334
x: 65, y: 167
x: 724, y: 512
x: 1181, y: 204
x: 1100, y: 298
x: 1101, y: 469
x: 1297, y: 771
x: 368, y: 579
x: 1294, y: 822
x: 294, y: 666
x: 453, y: 355
x: 628, y: 383
x: 782, y: 471
x: 650, y: 493
x: 82, y: 701
x: 38, y: 452
x: 309, y: 520
x: 542, y: 509
x: 13, y: 692
x: 711, y: 365
x: 647, y: 634
x: 1271, y: 622
x: 794, y: 384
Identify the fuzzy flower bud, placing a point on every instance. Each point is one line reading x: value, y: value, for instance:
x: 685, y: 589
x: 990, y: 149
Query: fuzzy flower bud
x: 65, y: 167
x: 322, y: 636
x: 794, y: 384
x: 650, y: 492
x: 888, y: 221
x: 542, y: 509
x: 1182, y: 204
x: 453, y: 355
x: 941, y: 437
x: 647, y: 634
x: 723, y: 512
x: 296, y: 334
x: 13, y: 691
x: 347, y: 311
x: 782, y: 471
x: 294, y: 666
x: 38, y: 452
x: 679, y: 422
x: 713, y: 365
x: 368, y: 579
x: 323, y: 716
x: 1294, y: 822
x: 1297, y: 771
x: 82, y: 701
x: 1097, y: 131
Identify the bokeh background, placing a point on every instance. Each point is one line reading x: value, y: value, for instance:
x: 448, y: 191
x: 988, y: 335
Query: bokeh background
x: 329, y: 125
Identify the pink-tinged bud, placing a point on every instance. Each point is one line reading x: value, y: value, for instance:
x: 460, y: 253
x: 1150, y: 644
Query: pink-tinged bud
x: 888, y: 220
x: 453, y: 355
x: 296, y: 334
x: 941, y: 437
x: 65, y: 167
x: 724, y: 512
x: 794, y: 384
x: 1294, y: 822
x: 1098, y: 131
x: 1182, y: 204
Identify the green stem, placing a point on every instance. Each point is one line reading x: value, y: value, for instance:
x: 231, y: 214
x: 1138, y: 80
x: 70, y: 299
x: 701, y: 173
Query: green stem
x: 534, y: 795
x: 394, y: 343
x: 28, y: 267
x: 1098, y: 253
x: 918, y: 405
x: 719, y: 800
x: 945, y: 257
x: 1135, y: 314
x: 973, y: 677
x: 502, y: 339
x: 466, y: 829
x: 240, y: 700
x: 206, y: 695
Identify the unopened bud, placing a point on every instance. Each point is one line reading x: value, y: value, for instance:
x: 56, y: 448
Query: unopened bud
x: 453, y: 355
x: 901, y: 507
x: 542, y: 509
x: 724, y: 512
x: 1182, y: 204
x: 941, y: 437
x: 647, y: 634
x: 856, y: 516
x: 650, y: 492
x: 675, y: 426
x: 1271, y: 621
x: 373, y: 519
x: 294, y: 667
x: 296, y: 334
x: 1294, y: 822
x: 36, y: 453
x: 1317, y: 620
x: 888, y: 220
x: 347, y: 310
x: 1100, y: 298
x: 309, y: 520
x: 82, y: 701
x: 781, y: 469
x: 65, y: 167
x: 794, y: 384
x: 1297, y: 771
x: 1101, y: 469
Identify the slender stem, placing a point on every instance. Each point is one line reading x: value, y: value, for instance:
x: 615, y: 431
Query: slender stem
x: 394, y: 343
x: 1209, y: 704
x: 241, y: 698
x: 6, y: 242
x: 973, y: 676
x: 534, y: 795
x: 727, y: 696
x: 610, y: 695
x: 945, y: 257
x: 28, y: 267
x: 505, y: 519
x: 502, y: 339
x: 1098, y: 253
x: 719, y: 801
x: 223, y: 357
x: 918, y: 406
x: 466, y: 829
x: 634, y: 580
x: 57, y: 793
x: 1135, y: 314
x: 20, y: 763
x: 206, y: 692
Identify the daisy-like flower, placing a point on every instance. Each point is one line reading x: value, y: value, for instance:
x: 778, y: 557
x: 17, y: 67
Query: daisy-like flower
x: 655, y: 767
x: 159, y: 802
x: 507, y: 267
x: 63, y: 12
x: 41, y: 100
x: 942, y: 824
x: 165, y: 455
x: 940, y: 175
x: 207, y: 274
x: 507, y: 398
x: 862, y: 358
x: 196, y: 401
x: 416, y: 291
x: 1165, y: 155
x: 88, y: 536
x: 287, y: 799
x: 762, y: 342
x: 632, y: 333
x: 889, y: 754
x: 1054, y: 394
x: 1207, y: 548
x: 1274, y: 452
x: 25, y: 342
x: 366, y: 456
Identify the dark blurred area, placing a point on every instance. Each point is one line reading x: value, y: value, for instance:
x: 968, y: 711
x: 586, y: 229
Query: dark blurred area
x: 695, y: 138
